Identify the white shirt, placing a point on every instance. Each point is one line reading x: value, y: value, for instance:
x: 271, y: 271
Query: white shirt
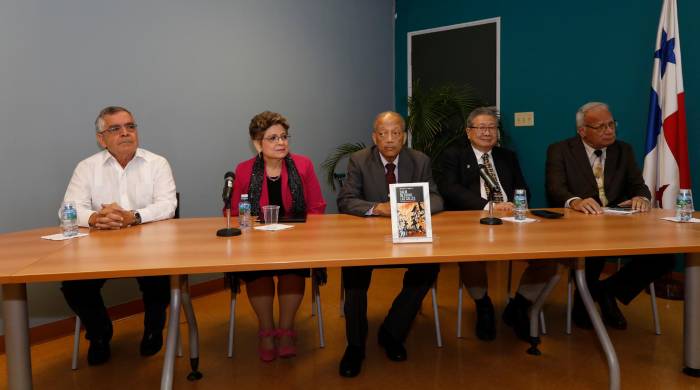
x: 590, y: 152
x: 146, y: 185
x: 480, y: 160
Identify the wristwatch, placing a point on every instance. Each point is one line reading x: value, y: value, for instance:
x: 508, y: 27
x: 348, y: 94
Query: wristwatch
x: 137, y: 218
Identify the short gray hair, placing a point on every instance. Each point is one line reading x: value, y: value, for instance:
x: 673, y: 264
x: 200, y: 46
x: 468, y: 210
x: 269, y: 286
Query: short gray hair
x: 490, y: 111
x: 585, y: 108
x: 110, y: 110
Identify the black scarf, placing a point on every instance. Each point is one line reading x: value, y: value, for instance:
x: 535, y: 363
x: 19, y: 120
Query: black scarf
x: 294, y: 181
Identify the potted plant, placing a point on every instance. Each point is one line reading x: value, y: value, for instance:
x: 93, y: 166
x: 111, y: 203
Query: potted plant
x: 437, y: 118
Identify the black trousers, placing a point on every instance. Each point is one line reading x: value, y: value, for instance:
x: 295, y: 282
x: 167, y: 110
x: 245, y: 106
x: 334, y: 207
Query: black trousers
x: 631, y: 279
x: 417, y: 281
x: 85, y: 298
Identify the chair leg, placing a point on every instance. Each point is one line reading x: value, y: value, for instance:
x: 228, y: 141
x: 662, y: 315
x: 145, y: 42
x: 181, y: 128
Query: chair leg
x: 569, y: 301
x: 76, y: 344
x: 459, y: 309
x: 436, y: 315
x: 509, y: 282
x: 231, y: 322
x: 342, y: 296
x: 319, y: 314
x: 179, y: 344
x: 313, y: 295
x: 543, y: 326
x: 654, y: 309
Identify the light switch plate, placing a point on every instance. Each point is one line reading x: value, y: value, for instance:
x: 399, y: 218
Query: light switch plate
x: 524, y: 119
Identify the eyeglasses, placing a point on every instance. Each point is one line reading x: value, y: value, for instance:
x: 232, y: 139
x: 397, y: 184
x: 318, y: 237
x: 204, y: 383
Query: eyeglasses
x: 275, y: 138
x: 386, y: 134
x: 612, y: 125
x: 484, y: 128
x: 130, y: 127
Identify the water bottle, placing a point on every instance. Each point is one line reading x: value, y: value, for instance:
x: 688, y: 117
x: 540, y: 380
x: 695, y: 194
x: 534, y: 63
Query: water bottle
x: 520, y: 202
x: 244, y: 219
x: 684, y: 205
x: 69, y: 219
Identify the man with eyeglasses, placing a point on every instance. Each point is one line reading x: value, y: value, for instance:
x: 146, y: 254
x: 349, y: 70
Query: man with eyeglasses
x: 116, y: 188
x: 463, y: 189
x: 365, y: 193
x: 587, y: 173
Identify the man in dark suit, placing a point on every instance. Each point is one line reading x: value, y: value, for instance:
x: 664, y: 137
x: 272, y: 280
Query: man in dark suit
x: 365, y: 193
x: 464, y: 189
x: 587, y: 173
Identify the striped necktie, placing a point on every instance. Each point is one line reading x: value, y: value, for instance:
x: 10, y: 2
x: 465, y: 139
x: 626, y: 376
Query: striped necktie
x: 599, y: 176
x: 497, y: 196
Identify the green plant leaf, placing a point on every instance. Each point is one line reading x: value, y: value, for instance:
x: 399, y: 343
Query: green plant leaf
x: 331, y: 162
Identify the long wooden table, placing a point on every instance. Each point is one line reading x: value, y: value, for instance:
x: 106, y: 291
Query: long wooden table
x: 189, y: 246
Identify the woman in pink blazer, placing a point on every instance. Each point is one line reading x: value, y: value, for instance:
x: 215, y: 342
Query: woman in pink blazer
x: 276, y: 177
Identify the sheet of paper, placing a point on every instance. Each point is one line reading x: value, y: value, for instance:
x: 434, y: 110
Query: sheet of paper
x: 675, y: 219
x: 61, y: 237
x: 273, y: 227
x: 617, y: 211
x: 512, y: 219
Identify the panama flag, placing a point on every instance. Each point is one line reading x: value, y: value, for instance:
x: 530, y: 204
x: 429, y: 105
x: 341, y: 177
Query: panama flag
x: 666, y: 167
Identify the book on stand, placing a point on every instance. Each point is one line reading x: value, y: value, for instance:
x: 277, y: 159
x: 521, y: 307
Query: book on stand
x: 410, y: 213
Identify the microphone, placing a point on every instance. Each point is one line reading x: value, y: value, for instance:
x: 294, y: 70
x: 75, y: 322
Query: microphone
x: 493, y: 188
x: 490, y: 182
x: 228, y: 188
x: 226, y: 195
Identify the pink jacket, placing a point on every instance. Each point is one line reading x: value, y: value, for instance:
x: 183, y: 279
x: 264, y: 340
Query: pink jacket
x: 312, y: 190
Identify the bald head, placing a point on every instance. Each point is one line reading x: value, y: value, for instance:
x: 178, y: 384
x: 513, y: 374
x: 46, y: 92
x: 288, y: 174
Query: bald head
x: 389, y: 117
x: 389, y: 134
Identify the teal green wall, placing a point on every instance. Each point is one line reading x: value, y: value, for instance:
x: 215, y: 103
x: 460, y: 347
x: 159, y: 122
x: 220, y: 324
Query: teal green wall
x: 557, y: 55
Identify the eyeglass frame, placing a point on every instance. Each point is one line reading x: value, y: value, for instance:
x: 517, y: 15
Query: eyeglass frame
x: 131, y: 127
x: 482, y: 129
x: 276, y: 138
x: 612, y: 125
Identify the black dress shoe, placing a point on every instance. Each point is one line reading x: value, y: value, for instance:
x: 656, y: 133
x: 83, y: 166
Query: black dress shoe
x: 612, y: 316
x: 98, y: 352
x: 579, y: 314
x: 485, y: 319
x: 151, y: 343
x: 395, y: 350
x: 351, y: 363
x: 516, y: 315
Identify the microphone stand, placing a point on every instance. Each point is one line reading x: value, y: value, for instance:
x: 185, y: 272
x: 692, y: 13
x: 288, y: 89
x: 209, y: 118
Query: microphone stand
x: 228, y: 231
x: 491, y: 220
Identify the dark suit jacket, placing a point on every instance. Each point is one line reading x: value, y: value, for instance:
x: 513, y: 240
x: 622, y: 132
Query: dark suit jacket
x: 569, y: 173
x: 365, y: 181
x: 460, y: 184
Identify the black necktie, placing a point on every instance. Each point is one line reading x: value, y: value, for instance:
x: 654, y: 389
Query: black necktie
x: 390, y: 176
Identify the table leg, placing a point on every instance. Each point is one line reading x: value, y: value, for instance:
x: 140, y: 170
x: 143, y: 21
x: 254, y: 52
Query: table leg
x: 691, y: 319
x: 19, y: 358
x: 166, y: 381
x: 193, y: 331
x: 605, y: 343
x: 536, y: 310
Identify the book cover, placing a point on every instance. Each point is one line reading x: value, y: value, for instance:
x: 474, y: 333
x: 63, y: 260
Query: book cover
x: 410, y: 213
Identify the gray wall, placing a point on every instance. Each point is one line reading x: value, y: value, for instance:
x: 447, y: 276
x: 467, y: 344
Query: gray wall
x: 193, y: 73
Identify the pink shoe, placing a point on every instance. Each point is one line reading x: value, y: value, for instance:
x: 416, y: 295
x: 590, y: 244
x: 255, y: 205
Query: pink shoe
x: 287, y: 351
x: 267, y: 355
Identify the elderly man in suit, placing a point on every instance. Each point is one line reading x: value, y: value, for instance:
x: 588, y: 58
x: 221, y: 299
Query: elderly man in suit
x: 587, y: 173
x: 464, y: 189
x: 365, y: 193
